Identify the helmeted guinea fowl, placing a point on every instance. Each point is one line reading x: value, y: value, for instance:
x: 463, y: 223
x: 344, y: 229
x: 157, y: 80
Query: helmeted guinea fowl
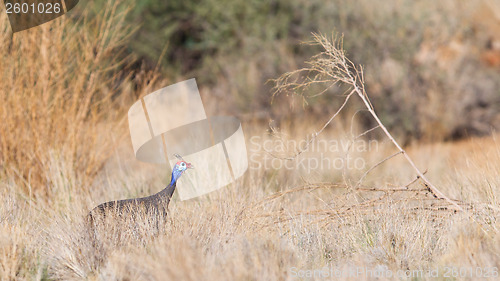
x: 156, y: 204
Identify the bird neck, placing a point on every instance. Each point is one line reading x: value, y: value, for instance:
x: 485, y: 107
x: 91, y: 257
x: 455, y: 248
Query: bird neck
x: 176, y: 174
x: 169, y: 190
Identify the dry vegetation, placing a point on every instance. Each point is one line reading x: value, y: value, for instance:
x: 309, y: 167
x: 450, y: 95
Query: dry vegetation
x: 64, y: 149
x: 258, y: 229
x: 61, y: 88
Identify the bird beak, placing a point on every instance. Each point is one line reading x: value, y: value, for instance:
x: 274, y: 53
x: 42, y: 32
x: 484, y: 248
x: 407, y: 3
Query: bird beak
x: 190, y: 166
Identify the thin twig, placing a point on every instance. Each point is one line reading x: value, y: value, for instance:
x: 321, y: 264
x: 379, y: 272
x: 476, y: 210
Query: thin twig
x: 315, y: 135
x: 375, y: 166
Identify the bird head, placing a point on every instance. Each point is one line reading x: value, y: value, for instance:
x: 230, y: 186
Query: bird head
x: 179, y: 168
x: 182, y: 165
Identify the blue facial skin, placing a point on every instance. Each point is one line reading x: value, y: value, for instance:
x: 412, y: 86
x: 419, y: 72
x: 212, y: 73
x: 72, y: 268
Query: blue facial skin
x: 179, y: 168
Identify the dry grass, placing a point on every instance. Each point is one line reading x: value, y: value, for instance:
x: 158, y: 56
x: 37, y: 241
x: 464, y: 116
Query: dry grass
x: 250, y: 231
x: 61, y: 87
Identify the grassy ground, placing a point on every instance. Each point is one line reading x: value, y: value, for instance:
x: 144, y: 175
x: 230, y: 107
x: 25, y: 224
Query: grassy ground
x: 268, y: 226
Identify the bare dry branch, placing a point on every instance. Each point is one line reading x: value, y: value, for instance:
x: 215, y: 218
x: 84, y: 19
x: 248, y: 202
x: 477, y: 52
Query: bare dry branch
x: 332, y: 66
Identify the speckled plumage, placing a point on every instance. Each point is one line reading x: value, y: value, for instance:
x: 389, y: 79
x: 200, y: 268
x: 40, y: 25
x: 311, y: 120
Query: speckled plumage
x: 154, y: 205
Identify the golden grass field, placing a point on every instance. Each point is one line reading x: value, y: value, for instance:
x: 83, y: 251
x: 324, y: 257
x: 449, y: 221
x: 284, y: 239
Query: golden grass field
x: 263, y: 227
x: 65, y: 148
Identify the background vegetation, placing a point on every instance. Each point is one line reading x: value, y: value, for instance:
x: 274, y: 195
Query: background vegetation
x: 443, y: 54
x: 431, y: 69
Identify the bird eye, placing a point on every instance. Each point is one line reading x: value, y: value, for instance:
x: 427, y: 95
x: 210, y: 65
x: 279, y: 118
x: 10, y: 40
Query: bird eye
x: 183, y: 164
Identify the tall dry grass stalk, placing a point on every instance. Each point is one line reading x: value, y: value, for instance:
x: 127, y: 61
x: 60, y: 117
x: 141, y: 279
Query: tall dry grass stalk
x: 63, y: 92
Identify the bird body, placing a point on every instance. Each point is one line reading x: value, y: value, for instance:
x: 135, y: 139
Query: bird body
x: 155, y: 205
